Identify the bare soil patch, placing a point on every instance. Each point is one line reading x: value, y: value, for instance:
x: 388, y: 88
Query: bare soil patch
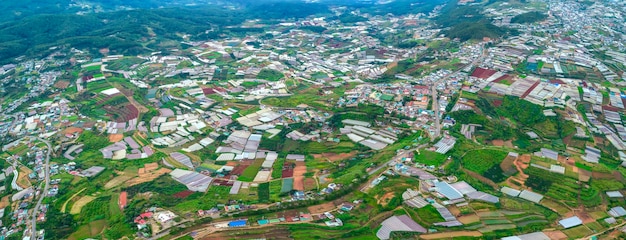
x: 584, y: 175
x: 298, y: 176
x: 116, y: 137
x: 498, y: 143
x: 72, y: 130
x: 61, y: 84
x: 508, y: 165
x: 22, y: 179
x: 321, y: 208
x: 556, y: 235
x: 309, y: 184
x: 337, y: 156
x: 448, y: 235
x: 4, y: 202
x: 467, y: 219
x: 384, y: 199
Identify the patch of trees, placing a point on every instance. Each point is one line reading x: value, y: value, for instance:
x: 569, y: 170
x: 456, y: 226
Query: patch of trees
x: 475, y: 30
x: 495, y: 174
x: 523, y: 111
x: 315, y: 29
x: 538, y: 184
x: 286, y: 9
x: 529, y: 17
x: 93, y: 141
x: 466, y: 22
x: 541, y: 180
x: 58, y: 225
x: 468, y: 116
x: 350, y: 18
x: 401, y: 7
x: 270, y: 75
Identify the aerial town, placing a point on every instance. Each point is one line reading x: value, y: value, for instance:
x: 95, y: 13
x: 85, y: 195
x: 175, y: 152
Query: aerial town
x: 347, y: 126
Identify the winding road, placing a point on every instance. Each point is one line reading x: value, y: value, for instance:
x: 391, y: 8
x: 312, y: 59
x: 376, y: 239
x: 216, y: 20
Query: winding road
x: 43, y: 193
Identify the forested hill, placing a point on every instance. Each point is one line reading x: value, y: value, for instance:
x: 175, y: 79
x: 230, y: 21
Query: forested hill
x: 31, y: 27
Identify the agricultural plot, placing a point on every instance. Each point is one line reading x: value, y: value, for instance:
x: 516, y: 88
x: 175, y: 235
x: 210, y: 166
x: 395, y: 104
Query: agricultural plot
x: 480, y: 161
x: 250, y: 172
x: 89, y: 230
x: 124, y: 63
x: 264, y: 192
x: 116, y: 181
x: 78, y: 205
x: 577, y: 232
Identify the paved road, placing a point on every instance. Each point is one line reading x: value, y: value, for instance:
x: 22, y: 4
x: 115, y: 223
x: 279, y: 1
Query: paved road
x: 396, y: 158
x: 43, y: 193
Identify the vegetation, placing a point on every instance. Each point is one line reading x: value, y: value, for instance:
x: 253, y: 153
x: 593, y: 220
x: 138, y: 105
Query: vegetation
x: 429, y: 158
x: 270, y: 75
x: 529, y: 17
x: 482, y: 160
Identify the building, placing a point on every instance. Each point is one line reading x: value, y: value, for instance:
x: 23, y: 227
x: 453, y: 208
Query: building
x: 529, y: 236
x: 238, y: 223
x: 448, y: 191
x: 401, y: 223
x: 571, y: 222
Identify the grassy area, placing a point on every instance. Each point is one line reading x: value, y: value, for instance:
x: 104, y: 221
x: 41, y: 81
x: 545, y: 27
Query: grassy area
x: 430, y: 158
x: 469, y: 95
x: 426, y: 215
x: 481, y: 160
x: 577, y: 232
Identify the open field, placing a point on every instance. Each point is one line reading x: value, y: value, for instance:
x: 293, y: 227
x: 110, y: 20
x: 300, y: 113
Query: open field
x: 117, y: 181
x: 577, y: 232
x: 70, y: 199
x: 92, y: 229
x: 321, y: 208
x: 147, y: 177
x: 22, y: 179
x: 429, y: 158
x: 467, y: 219
x: 78, y: 205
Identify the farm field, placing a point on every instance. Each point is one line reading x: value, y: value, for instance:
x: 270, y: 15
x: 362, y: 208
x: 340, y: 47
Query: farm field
x: 250, y: 172
x: 116, y: 181
x: 78, y: 205
x: 481, y: 160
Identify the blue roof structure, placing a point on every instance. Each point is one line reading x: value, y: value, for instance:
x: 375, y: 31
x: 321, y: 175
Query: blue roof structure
x: 571, y: 222
x: 238, y: 223
x: 448, y: 191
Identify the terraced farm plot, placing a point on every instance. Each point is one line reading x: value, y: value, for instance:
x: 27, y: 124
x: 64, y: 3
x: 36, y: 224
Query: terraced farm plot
x: 467, y: 219
x: 557, y: 207
x: 446, y: 235
x: 577, y: 232
x: 250, y: 172
x: 492, y: 228
x: 496, y: 221
x: 116, y: 181
x: 78, y: 205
